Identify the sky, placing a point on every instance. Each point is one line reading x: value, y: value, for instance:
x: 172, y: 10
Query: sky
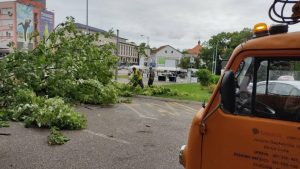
x: 179, y: 23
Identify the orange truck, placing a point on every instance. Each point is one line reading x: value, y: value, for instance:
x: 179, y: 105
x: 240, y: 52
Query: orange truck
x: 252, y: 120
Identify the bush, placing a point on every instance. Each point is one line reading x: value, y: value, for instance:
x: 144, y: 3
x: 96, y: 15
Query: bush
x: 214, y: 79
x: 204, y: 76
x: 211, y: 88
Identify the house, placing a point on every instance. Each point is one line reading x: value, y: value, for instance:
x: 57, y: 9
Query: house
x: 166, y: 56
x: 194, y: 54
x: 195, y: 51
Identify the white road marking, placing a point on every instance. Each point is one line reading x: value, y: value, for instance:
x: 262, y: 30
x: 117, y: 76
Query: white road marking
x: 106, y: 137
x: 186, y: 107
x: 162, y: 109
x: 138, y: 113
x: 173, y: 111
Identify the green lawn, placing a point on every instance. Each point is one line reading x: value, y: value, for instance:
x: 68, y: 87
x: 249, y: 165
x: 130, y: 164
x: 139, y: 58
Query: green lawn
x: 192, y: 91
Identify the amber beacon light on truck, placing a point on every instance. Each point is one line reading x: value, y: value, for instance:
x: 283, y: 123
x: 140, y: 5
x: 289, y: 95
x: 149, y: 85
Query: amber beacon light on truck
x: 261, y: 29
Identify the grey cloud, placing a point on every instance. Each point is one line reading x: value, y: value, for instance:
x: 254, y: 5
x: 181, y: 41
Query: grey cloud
x: 178, y: 23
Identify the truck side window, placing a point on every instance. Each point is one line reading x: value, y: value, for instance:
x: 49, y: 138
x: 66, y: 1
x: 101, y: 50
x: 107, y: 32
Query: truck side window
x: 273, y: 89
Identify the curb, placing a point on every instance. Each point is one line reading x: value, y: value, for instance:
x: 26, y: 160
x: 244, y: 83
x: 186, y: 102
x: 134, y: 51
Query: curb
x: 166, y: 99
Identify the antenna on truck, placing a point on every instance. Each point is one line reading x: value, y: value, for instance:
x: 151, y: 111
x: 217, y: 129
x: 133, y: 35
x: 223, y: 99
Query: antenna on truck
x: 277, y: 11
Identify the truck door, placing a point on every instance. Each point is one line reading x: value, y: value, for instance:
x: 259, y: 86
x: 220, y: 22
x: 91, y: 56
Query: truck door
x: 264, y: 130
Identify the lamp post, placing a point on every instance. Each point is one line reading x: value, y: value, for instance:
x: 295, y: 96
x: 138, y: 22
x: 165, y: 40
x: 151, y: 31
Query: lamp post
x: 146, y: 46
x: 87, y: 16
x: 117, y: 54
x: 148, y: 39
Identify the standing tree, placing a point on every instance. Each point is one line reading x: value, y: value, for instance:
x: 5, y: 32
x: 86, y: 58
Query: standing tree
x: 184, y: 63
x: 223, y: 44
x: 141, y: 49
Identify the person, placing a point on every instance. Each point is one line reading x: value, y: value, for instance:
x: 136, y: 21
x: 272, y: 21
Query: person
x: 151, y: 77
x: 137, y: 78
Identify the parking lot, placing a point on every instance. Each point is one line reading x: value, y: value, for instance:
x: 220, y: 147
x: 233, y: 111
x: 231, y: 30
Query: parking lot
x: 145, y: 134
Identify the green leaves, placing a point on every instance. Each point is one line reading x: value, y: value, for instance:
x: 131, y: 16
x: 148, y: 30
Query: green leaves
x: 204, y: 76
x: 69, y: 65
x: 56, y: 113
x: 224, y: 43
x: 56, y: 137
x: 93, y: 92
x: 4, y: 124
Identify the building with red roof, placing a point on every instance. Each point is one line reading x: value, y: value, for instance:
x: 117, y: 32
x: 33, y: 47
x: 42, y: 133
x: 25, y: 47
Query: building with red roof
x: 195, y: 51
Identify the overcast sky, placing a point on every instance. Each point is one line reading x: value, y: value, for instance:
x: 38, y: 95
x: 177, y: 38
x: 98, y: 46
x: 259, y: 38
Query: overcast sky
x: 180, y: 23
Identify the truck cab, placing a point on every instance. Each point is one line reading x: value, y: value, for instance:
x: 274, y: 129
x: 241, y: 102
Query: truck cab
x: 252, y: 120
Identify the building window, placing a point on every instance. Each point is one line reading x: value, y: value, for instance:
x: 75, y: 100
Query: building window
x: 130, y: 51
x: 166, y: 51
x: 172, y: 52
x: 121, y: 51
x: 7, y: 11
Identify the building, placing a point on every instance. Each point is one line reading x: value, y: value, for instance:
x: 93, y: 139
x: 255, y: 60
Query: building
x: 166, y: 56
x: 20, y: 19
x: 102, y: 39
x: 194, y: 54
x: 195, y: 51
x: 127, y: 51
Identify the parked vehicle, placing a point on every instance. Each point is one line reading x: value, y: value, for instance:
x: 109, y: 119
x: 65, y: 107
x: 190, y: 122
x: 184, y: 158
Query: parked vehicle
x: 3, y: 52
x: 251, y: 129
x: 278, y: 87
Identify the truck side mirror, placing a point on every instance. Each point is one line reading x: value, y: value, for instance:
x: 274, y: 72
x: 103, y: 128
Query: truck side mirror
x: 228, y: 92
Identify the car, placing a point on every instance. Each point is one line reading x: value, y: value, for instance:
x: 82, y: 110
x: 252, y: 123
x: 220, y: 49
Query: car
x: 278, y: 87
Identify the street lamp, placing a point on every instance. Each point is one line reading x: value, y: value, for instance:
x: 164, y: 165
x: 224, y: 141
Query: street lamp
x: 87, y: 16
x: 117, y: 54
x: 148, y: 39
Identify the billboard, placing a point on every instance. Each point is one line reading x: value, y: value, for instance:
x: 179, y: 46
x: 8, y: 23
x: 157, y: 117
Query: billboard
x: 46, y: 23
x: 24, y: 26
x: 41, y: 4
x: 6, y: 26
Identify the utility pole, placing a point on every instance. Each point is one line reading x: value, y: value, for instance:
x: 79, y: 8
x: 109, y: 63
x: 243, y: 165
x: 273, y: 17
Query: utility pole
x: 117, y: 54
x: 87, y: 16
x: 215, y: 59
x: 148, y: 39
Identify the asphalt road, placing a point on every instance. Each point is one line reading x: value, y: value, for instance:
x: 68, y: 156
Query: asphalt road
x: 145, y: 134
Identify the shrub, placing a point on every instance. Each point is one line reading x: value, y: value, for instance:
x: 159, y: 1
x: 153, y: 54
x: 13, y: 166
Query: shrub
x: 214, y: 79
x: 211, y: 88
x: 204, y: 76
